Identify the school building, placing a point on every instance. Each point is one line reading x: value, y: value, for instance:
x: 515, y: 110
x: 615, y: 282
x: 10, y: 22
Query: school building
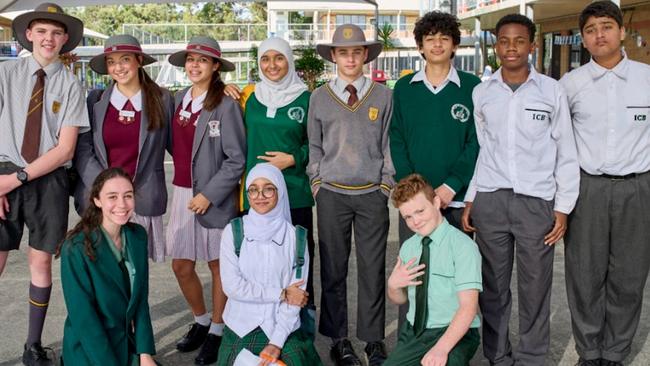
x: 558, y: 37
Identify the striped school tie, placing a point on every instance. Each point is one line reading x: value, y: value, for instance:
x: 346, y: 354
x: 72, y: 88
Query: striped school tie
x: 32, y: 135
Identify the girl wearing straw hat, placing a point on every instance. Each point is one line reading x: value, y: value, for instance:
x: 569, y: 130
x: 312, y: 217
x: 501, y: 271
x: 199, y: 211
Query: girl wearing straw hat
x: 209, y: 151
x: 129, y: 124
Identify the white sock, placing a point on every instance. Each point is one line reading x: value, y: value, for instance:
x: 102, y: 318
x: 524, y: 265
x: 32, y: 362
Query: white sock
x: 216, y: 328
x: 204, y: 319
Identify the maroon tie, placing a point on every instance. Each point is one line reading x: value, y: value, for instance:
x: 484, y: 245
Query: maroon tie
x: 32, y: 135
x: 353, y: 98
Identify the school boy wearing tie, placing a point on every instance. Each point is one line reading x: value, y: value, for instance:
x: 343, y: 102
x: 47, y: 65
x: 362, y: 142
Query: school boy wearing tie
x: 607, y: 253
x: 41, y: 111
x: 524, y: 186
x: 438, y: 272
x: 351, y: 175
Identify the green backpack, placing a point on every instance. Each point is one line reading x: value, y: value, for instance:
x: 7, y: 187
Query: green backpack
x: 307, y: 315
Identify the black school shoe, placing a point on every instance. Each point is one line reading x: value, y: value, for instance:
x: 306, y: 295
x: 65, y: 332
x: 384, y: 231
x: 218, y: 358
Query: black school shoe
x: 193, y: 339
x: 343, y: 354
x: 595, y: 362
x: 376, y: 352
x: 36, y: 355
x: 209, y: 351
x: 604, y: 362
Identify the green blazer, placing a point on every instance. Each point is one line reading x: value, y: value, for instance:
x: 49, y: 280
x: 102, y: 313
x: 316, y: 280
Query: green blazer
x: 102, y: 320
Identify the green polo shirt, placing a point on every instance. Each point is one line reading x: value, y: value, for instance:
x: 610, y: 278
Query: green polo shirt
x: 286, y: 132
x: 434, y: 134
x: 455, y: 266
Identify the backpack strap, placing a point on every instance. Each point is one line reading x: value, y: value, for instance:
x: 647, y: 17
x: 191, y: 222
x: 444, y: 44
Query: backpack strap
x: 301, y: 243
x: 237, y: 227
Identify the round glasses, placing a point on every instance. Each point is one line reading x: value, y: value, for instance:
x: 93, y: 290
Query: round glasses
x: 267, y: 192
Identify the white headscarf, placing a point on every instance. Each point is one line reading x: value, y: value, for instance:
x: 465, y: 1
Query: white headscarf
x: 273, y: 224
x: 277, y: 94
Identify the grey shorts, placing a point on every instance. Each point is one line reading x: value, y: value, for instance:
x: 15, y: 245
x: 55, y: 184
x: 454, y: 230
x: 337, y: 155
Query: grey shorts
x: 41, y: 204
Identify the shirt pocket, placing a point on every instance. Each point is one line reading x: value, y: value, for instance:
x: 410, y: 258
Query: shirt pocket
x: 54, y: 109
x: 637, y: 114
x: 441, y: 279
x: 537, y: 118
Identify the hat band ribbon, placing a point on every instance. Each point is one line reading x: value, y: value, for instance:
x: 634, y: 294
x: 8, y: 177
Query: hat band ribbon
x: 122, y: 47
x: 205, y: 48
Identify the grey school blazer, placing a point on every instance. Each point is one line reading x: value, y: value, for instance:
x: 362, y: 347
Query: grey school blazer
x: 90, y: 157
x: 218, y: 159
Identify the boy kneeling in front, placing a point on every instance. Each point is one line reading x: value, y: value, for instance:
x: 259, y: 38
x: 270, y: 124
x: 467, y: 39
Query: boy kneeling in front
x: 439, y: 272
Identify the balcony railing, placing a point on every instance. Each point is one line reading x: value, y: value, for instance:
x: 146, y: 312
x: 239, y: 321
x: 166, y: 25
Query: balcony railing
x: 169, y: 33
x: 465, y: 6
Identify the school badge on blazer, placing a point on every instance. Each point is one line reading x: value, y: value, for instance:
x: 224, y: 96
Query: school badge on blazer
x: 460, y: 113
x: 214, y: 128
x: 56, y: 107
x: 373, y: 113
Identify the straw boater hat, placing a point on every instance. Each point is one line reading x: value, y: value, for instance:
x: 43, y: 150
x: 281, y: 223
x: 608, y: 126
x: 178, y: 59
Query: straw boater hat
x: 349, y: 35
x: 205, y: 46
x: 119, y: 43
x: 48, y: 11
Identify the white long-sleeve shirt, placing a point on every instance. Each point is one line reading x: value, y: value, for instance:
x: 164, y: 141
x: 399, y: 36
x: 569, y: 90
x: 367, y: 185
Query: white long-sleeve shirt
x: 611, y: 116
x: 254, y: 281
x: 526, y: 140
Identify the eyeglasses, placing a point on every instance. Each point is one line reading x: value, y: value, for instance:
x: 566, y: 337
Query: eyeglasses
x: 267, y: 192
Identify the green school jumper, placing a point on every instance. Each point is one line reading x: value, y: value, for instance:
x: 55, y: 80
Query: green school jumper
x: 286, y: 132
x: 434, y: 134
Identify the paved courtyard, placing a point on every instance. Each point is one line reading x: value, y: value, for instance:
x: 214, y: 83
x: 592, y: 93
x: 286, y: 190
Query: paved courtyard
x: 171, y: 317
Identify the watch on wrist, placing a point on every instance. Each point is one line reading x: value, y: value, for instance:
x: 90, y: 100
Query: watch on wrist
x: 22, y: 176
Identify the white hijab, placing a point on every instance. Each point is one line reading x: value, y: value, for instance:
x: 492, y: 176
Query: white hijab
x: 277, y: 94
x: 274, y: 224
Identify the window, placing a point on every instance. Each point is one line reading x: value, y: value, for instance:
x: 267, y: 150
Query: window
x: 392, y: 20
x: 359, y: 20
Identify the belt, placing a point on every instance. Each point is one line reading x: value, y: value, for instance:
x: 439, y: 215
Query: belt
x: 617, y: 177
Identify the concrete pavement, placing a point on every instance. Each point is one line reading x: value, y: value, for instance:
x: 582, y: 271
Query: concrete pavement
x: 171, y: 317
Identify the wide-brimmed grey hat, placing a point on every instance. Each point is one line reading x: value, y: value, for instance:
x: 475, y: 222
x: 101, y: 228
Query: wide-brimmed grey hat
x: 205, y: 46
x: 349, y: 35
x: 48, y: 11
x: 119, y: 43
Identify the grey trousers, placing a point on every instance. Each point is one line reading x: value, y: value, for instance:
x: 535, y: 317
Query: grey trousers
x: 607, y: 260
x: 509, y: 225
x: 368, y: 214
x: 453, y: 216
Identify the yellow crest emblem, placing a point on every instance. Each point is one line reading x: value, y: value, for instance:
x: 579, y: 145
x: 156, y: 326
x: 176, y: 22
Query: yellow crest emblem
x: 373, y: 113
x: 52, y: 9
x: 347, y: 33
x: 56, y: 107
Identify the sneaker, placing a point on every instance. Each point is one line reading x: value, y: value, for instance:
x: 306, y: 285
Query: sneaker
x: 193, y: 339
x: 376, y: 352
x: 343, y: 354
x: 209, y: 351
x: 36, y: 355
x: 583, y: 362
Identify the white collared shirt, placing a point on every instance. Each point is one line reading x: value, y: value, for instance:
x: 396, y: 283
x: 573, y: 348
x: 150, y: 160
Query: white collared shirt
x: 118, y: 100
x: 611, y: 116
x: 452, y: 77
x: 362, y: 84
x: 526, y: 140
x: 254, y: 281
x: 197, y: 103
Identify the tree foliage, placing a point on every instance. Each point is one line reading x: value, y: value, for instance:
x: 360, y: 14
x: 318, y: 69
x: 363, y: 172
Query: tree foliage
x: 310, y: 66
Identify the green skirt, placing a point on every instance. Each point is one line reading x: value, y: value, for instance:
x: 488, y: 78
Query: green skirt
x: 298, y: 350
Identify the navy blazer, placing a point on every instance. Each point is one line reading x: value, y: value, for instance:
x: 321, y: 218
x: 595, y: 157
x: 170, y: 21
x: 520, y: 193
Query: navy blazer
x: 218, y: 159
x: 91, y: 157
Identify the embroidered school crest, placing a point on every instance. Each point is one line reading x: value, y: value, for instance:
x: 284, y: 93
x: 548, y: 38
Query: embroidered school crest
x: 56, y: 107
x: 347, y: 33
x: 460, y: 113
x: 373, y: 113
x: 215, y: 128
x: 296, y: 113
